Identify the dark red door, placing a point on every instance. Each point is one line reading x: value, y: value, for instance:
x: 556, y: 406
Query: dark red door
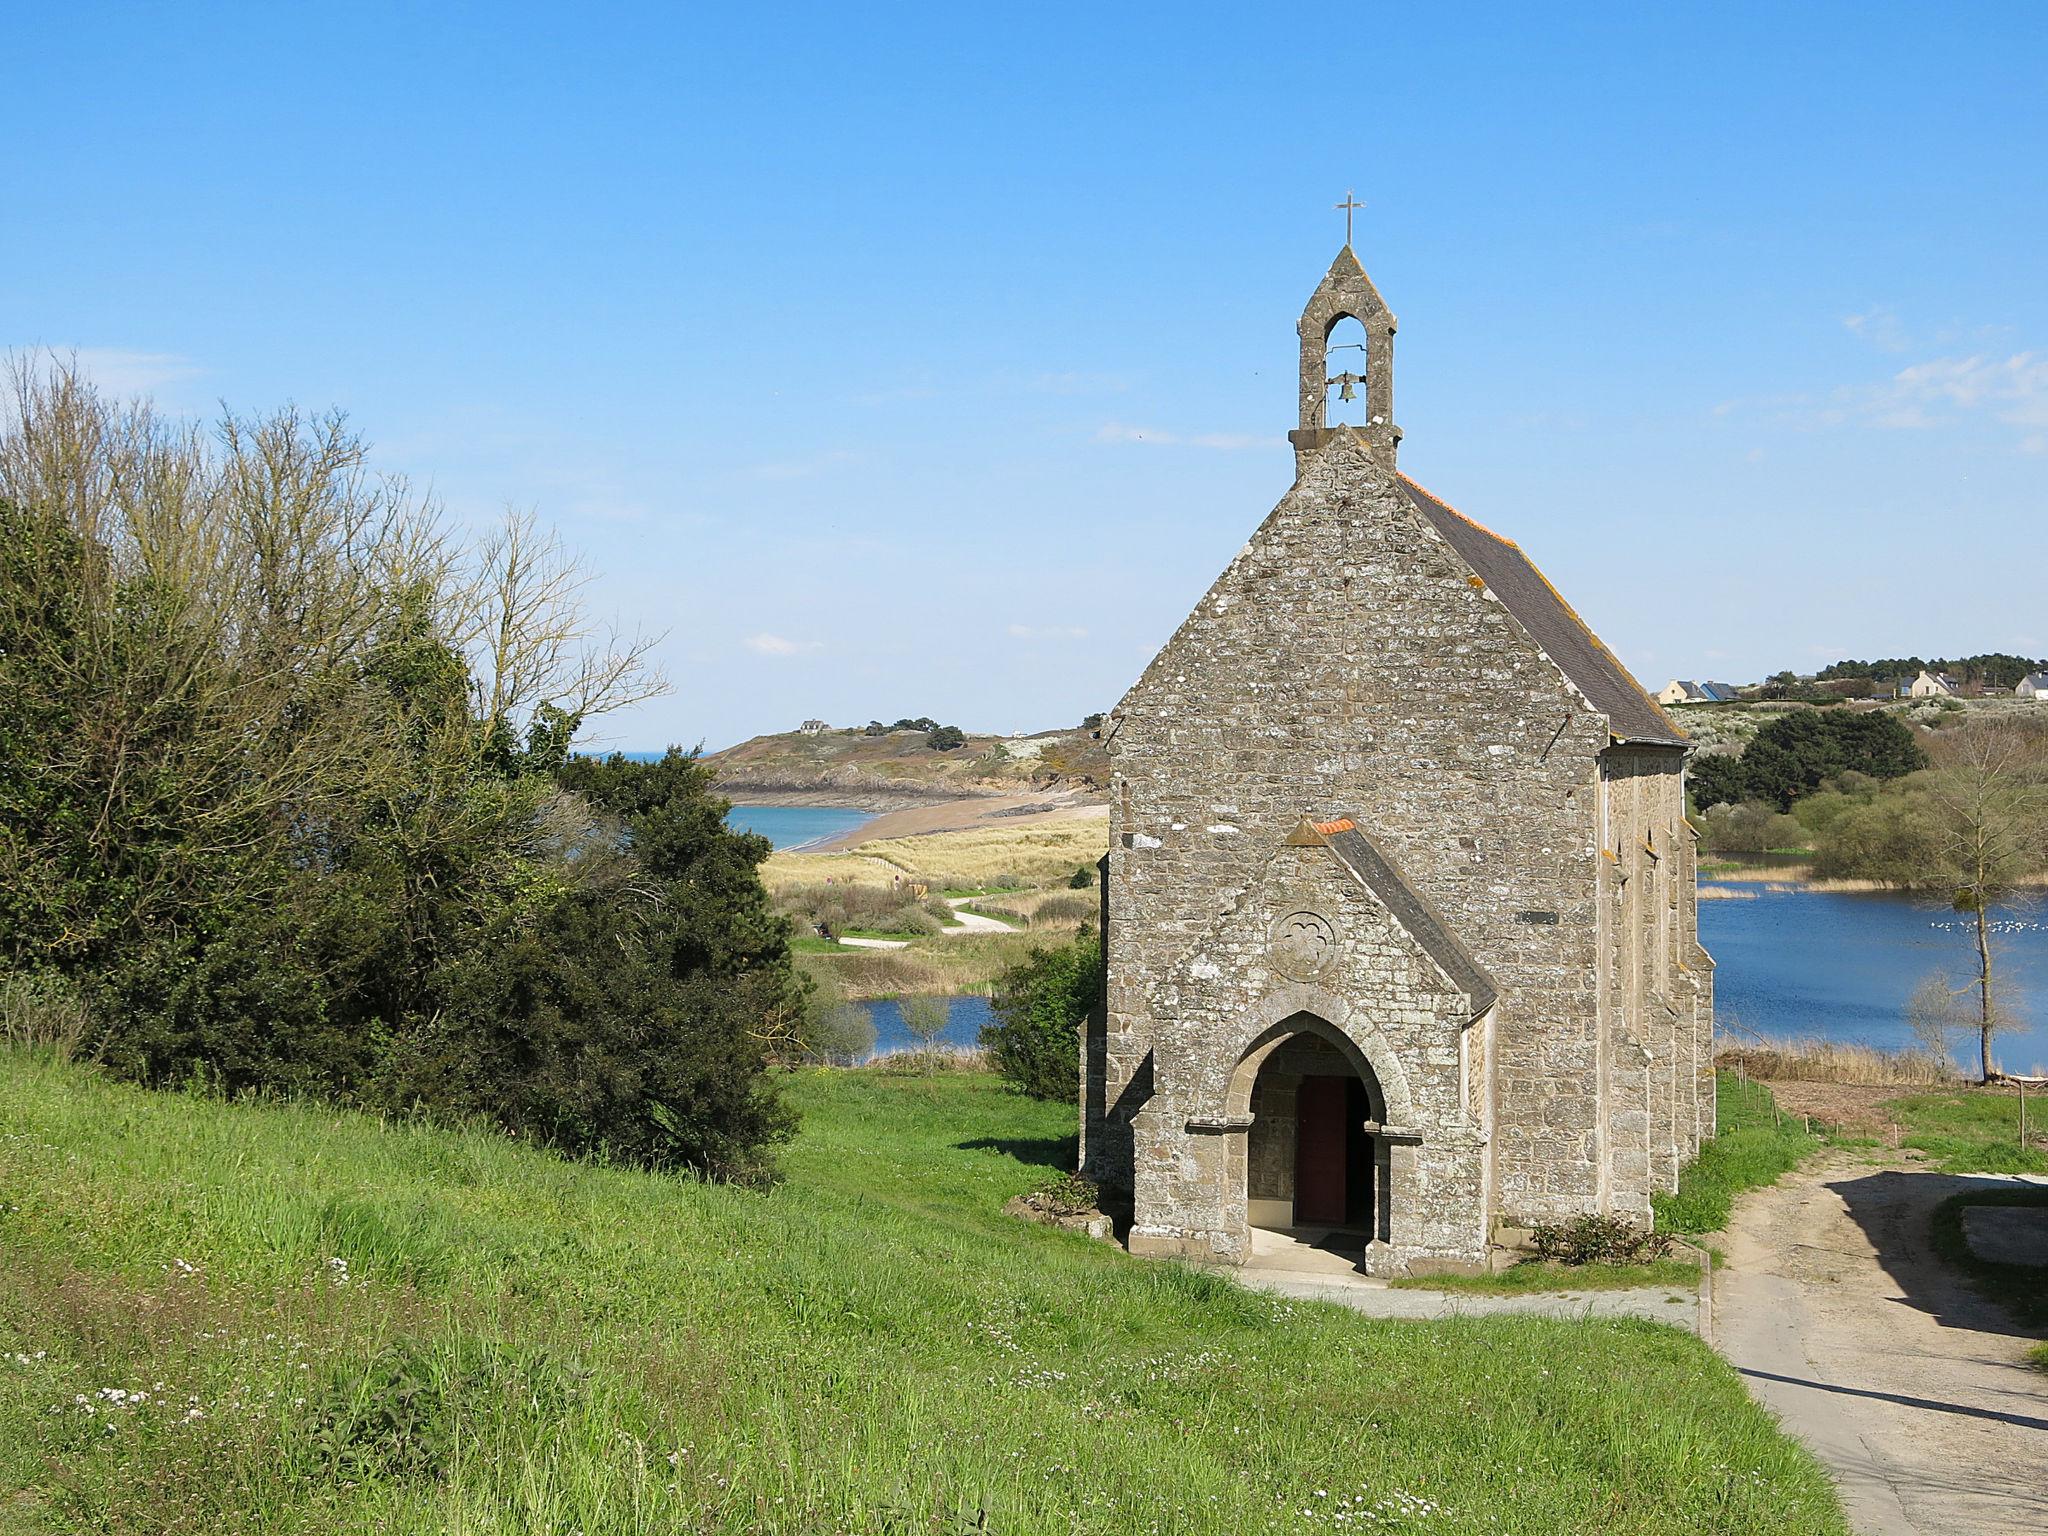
x: 1319, y: 1152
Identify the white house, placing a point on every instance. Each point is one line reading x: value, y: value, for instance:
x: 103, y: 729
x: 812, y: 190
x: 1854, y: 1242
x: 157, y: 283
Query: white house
x: 1682, y: 691
x: 812, y: 728
x: 1932, y: 685
x: 2033, y: 686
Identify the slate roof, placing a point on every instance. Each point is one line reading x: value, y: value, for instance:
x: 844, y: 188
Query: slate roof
x: 2036, y: 681
x: 1411, y: 909
x: 1632, y: 715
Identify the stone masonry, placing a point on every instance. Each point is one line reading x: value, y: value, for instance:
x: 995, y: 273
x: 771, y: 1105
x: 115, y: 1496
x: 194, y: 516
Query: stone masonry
x: 1384, y: 809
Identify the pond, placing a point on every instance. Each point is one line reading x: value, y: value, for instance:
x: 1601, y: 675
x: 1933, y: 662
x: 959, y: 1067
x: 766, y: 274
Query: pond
x: 1793, y: 962
x: 963, y: 1029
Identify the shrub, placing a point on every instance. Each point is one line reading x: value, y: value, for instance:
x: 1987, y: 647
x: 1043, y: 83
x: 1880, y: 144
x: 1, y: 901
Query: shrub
x: 1598, y: 1240
x: 1082, y: 879
x: 1897, y: 838
x: 1040, y: 1005
x: 592, y: 1030
x: 1066, y: 908
x: 42, y: 1012
x: 1751, y: 827
x: 1070, y: 1194
x: 947, y: 738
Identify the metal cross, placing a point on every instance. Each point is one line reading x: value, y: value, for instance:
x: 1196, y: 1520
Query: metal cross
x: 1350, y: 205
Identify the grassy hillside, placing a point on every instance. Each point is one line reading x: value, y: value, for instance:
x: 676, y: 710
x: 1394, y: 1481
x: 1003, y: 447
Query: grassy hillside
x: 881, y: 771
x: 226, y: 1318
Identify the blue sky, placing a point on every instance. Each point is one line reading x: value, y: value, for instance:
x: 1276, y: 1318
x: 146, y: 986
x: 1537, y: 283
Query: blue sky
x: 905, y: 361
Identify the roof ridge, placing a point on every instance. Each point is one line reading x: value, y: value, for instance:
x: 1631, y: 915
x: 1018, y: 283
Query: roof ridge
x: 1460, y: 516
x: 1571, y: 614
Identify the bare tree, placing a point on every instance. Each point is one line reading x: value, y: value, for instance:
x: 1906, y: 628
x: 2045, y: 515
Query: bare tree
x: 926, y: 1018
x: 196, y: 619
x: 1991, y: 783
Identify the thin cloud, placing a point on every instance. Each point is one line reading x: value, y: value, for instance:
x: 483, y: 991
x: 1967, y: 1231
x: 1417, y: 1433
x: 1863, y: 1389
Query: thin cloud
x: 2012, y: 390
x: 778, y: 645
x: 1880, y: 326
x: 1153, y: 437
x: 121, y: 370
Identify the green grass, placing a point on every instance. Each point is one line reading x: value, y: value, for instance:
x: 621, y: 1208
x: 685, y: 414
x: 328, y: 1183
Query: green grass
x: 1541, y: 1275
x: 1754, y: 1147
x: 2037, y: 1357
x: 2021, y: 1288
x: 1973, y: 1132
x: 811, y: 944
x: 396, y: 1329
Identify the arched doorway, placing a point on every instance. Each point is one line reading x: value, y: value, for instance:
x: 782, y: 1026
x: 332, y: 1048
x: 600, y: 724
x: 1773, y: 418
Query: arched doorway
x: 1314, y: 1165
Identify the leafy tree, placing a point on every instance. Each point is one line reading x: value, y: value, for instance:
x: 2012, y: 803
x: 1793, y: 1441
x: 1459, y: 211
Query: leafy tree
x: 1799, y: 751
x: 1040, y: 1005
x: 947, y: 738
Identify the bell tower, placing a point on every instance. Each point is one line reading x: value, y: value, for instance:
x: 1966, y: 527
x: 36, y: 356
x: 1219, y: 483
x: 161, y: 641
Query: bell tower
x: 1346, y: 292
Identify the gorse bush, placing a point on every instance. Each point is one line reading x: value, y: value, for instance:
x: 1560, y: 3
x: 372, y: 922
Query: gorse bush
x: 286, y: 801
x: 1040, y: 1006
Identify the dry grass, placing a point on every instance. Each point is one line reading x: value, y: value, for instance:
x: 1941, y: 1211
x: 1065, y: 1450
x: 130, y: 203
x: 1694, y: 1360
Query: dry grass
x: 1726, y: 893
x: 1045, y: 853
x: 1034, y: 855
x: 1830, y: 1061
x: 945, y: 966
x: 787, y: 869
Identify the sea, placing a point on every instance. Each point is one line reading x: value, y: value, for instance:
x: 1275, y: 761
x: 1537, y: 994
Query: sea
x: 787, y: 827
x: 792, y: 827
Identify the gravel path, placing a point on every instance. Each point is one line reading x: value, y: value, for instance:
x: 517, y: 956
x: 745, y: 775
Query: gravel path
x: 1901, y: 1378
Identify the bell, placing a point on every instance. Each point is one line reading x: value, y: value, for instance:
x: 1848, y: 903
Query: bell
x: 1346, y: 392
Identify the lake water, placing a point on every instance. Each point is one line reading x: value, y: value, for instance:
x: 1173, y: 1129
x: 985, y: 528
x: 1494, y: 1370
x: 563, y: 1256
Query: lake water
x: 796, y: 826
x: 1789, y: 963
x: 1841, y: 966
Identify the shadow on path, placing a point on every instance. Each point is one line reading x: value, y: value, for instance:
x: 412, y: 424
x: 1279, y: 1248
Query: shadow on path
x: 1895, y: 1209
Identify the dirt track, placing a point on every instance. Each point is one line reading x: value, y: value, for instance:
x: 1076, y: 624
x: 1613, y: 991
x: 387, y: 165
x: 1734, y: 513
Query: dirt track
x: 1907, y: 1383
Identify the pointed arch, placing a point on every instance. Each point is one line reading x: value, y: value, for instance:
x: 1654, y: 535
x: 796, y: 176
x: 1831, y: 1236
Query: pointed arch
x: 1296, y: 1010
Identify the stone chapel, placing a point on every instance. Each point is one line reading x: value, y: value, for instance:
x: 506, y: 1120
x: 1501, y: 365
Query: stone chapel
x: 1399, y: 910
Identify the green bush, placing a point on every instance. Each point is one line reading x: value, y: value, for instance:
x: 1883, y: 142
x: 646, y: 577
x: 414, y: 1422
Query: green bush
x: 1082, y: 879
x: 591, y: 1030
x: 1040, y: 1005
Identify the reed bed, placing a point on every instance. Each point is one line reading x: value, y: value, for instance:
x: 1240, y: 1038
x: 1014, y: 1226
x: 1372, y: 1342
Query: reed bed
x: 1814, y: 1060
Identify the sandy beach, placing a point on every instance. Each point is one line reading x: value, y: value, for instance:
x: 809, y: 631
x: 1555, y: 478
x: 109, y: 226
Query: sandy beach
x: 958, y: 815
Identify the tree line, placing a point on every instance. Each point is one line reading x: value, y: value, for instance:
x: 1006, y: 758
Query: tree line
x: 288, y: 802
x: 1994, y: 670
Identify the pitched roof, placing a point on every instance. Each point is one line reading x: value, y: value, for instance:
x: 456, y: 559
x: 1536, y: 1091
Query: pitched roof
x: 1411, y: 909
x: 1632, y: 715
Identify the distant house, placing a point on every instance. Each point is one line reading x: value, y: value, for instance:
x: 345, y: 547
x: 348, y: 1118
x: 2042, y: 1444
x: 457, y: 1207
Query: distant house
x: 2033, y: 686
x: 1933, y: 685
x: 1682, y: 691
x: 813, y: 728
